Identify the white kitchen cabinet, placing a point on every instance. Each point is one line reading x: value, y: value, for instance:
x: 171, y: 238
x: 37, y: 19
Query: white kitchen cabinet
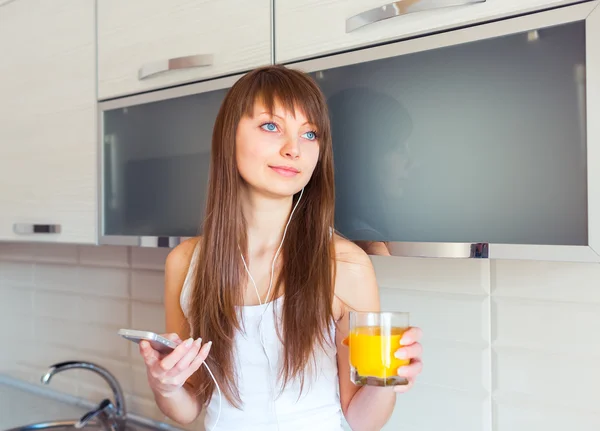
x: 150, y: 44
x: 314, y: 27
x: 48, y: 121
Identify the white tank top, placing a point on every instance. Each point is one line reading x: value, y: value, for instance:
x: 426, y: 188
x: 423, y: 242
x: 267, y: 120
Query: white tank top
x: 317, y: 409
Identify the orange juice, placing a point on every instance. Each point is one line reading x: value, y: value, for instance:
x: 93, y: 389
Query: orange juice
x: 372, y: 353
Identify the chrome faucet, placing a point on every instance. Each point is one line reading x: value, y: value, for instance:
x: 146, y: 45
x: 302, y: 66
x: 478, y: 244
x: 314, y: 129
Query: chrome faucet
x: 112, y: 416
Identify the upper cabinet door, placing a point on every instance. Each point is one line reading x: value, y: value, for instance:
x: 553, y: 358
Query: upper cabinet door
x: 478, y: 142
x: 48, y: 121
x: 149, y: 44
x: 312, y: 27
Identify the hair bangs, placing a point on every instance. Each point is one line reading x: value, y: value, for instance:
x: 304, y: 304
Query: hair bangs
x: 292, y: 91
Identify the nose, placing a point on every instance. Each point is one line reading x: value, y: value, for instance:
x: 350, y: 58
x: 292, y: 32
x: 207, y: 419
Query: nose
x: 291, y: 149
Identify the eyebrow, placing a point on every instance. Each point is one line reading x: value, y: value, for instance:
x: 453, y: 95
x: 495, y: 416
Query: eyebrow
x: 281, y: 118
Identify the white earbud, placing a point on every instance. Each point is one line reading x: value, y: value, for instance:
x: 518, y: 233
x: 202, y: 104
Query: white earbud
x: 261, y: 316
x: 275, y: 258
x: 261, y: 337
x: 220, y: 396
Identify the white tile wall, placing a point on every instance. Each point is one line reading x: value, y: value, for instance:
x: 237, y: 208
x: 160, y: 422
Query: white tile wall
x: 449, y: 300
x: 63, y: 302
x: 509, y: 345
x: 546, y: 343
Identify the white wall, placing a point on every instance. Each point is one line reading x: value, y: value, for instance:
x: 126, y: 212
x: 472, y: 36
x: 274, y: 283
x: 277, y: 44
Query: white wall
x: 509, y: 345
x: 63, y: 302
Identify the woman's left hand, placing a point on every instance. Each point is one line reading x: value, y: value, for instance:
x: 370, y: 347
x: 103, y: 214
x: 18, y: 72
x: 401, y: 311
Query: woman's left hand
x: 411, y: 349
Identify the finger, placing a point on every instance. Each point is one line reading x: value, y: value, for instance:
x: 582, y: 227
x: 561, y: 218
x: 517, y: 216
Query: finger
x: 196, y: 363
x: 411, y: 351
x: 147, y: 351
x: 149, y: 355
x: 203, y: 353
x: 185, y: 362
x: 400, y: 389
x: 169, y: 361
x: 181, y: 378
x: 411, y: 336
x: 173, y: 337
x: 412, y: 370
x: 142, y: 345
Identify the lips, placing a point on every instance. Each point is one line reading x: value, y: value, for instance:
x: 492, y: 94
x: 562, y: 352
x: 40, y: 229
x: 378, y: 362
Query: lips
x: 286, y: 171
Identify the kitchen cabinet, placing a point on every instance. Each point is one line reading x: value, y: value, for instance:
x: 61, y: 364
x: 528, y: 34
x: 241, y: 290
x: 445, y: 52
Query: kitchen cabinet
x: 479, y: 142
x: 149, y: 44
x: 313, y: 27
x: 48, y: 121
x: 152, y: 153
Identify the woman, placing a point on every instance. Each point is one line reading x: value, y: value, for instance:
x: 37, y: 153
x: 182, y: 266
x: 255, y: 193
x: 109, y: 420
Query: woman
x: 268, y: 285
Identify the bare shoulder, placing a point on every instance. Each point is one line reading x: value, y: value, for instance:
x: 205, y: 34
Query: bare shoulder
x: 176, y: 268
x: 346, y: 252
x: 355, y: 281
x: 178, y: 261
x: 182, y: 254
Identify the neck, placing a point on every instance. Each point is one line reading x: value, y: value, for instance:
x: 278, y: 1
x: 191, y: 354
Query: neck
x: 266, y: 218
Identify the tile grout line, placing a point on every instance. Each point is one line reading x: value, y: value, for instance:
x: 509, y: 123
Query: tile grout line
x: 491, y: 353
x: 130, y: 311
x: 34, y: 297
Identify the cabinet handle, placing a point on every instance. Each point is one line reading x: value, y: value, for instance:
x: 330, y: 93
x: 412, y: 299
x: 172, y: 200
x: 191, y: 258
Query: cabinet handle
x: 188, y: 62
x: 398, y: 8
x: 30, y: 228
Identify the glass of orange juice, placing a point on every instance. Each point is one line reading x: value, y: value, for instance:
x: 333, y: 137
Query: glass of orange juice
x: 373, y: 340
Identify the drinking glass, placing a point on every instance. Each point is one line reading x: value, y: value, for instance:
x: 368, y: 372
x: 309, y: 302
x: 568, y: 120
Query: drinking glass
x: 373, y: 340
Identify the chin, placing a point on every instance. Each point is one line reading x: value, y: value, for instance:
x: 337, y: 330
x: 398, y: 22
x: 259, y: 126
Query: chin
x: 280, y: 190
x: 284, y: 192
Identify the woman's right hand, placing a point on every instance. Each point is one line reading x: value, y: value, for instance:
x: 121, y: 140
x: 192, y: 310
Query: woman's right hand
x: 168, y: 372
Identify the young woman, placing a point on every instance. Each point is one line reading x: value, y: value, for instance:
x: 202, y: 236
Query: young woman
x: 268, y: 285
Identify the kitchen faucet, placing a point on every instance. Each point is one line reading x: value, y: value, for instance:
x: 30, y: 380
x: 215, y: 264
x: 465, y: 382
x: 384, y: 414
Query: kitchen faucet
x: 112, y: 416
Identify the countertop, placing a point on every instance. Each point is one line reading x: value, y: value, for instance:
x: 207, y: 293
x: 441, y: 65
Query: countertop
x: 20, y: 407
x: 23, y: 403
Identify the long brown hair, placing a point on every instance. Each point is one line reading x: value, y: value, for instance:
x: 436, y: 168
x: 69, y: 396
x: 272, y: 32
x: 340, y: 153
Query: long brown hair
x: 305, y: 278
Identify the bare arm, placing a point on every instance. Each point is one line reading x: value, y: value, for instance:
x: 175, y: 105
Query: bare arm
x: 366, y: 408
x: 169, y: 376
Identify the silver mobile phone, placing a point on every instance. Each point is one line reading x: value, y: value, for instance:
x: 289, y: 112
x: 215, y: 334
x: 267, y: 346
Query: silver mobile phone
x: 158, y: 342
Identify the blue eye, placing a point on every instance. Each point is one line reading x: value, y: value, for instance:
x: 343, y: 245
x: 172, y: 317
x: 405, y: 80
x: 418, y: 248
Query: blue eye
x: 310, y: 136
x: 269, y: 127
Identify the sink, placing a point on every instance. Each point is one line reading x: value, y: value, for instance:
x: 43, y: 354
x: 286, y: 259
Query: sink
x: 57, y: 426
x: 69, y: 425
x: 108, y: 415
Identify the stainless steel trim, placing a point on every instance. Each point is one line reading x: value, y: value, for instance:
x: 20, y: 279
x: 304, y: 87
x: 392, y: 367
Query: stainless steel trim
x: 113, y: 190
x: 445, y: 250
x: 100, y: 219
x: 143, y: 241
x: 562, y: 253
x: 187, y: 62
x: 34, y: 228
x: 398, y: 8
x: 439, y: 249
